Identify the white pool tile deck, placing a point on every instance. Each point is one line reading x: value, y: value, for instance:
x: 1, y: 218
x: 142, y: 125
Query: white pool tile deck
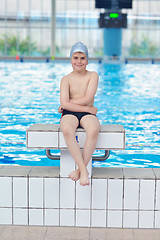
x: 115, y: 198
x: 131, y: 193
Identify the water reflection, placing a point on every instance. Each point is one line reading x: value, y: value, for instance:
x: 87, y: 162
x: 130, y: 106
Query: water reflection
x: 127, y: 95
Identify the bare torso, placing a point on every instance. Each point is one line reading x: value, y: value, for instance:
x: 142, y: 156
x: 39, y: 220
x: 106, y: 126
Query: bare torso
x: 77, y: 91
x: 78, y: 85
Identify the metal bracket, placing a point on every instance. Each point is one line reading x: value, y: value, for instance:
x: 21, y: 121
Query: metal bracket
x: 102, y: 158
x: 52, y: 156
x: 97, y: 158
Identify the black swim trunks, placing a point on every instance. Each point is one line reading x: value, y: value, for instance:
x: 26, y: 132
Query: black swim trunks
x: 79, y: 115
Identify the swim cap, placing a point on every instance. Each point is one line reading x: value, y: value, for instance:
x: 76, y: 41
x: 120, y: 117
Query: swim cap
x: 79, y: 47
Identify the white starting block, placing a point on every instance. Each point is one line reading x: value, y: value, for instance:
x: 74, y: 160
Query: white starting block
x: 49, y: 136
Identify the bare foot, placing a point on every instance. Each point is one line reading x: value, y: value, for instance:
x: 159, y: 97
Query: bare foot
x: 75, y: 175
x: 84, y: 180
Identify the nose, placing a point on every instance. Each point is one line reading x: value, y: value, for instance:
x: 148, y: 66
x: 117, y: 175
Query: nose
x: 79, y: 60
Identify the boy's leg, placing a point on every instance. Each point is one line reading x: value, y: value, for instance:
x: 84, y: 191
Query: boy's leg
x: 68, y: 125
x: 91, y: 125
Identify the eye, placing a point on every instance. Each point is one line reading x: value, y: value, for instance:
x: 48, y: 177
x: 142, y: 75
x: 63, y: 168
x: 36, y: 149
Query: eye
x: 82, y: 58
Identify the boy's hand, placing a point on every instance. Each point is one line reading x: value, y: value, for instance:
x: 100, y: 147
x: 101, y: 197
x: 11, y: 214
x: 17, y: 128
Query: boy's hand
x: 60, y: 109
x: 93, y: 110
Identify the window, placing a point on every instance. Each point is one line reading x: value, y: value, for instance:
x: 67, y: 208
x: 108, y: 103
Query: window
x: 25, y: 28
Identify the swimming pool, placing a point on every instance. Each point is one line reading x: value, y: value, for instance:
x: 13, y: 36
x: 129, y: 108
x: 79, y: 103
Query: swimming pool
x: 127, y: 94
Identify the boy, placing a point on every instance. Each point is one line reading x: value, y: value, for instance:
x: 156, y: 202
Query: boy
x: 77, y: 92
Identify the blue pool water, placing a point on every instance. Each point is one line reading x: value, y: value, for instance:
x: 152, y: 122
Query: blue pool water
x: 127, y: 94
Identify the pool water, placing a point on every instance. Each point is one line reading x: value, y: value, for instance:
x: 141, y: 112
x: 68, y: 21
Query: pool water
x: 127, y: 94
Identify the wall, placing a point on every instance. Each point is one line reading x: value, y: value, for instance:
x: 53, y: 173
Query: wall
x: 120, y: 198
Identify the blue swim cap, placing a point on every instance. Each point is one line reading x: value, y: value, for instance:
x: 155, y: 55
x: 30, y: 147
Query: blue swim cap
x: 79, y: 47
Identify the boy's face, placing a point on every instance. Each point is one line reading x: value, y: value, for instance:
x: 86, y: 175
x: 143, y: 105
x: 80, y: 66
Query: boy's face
x: 79, y: 61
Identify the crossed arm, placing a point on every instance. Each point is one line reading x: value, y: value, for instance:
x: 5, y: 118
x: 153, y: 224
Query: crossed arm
x: 80, y: 104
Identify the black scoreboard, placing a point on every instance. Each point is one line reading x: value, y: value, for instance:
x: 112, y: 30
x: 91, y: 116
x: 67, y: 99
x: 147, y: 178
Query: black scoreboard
x: 108, y: 4
x: 113, y: 20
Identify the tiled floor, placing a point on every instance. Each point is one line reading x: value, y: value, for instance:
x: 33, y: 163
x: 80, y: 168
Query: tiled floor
x: 70, y: 233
